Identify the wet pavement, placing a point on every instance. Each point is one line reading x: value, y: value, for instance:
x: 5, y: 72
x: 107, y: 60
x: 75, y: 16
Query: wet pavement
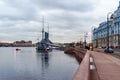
x: 107, y: 66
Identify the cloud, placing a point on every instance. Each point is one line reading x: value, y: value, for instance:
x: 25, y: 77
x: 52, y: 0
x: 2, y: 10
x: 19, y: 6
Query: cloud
x: 73, y: 5
x: 68, y: 19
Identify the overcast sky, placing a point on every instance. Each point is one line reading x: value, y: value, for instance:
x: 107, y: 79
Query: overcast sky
x: 68, y: 19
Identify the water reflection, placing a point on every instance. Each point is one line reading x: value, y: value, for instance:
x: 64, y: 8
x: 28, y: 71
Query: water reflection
x: 27, y: 64
x: 44, y: 58
x: 15, y: 53
x: 15, y: 56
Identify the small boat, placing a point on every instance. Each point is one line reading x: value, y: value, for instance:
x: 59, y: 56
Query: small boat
x: 17, y: 49
x: 47, y: 49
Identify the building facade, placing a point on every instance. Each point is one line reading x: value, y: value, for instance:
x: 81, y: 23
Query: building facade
x: 108, y: 29
x: 23, y: 43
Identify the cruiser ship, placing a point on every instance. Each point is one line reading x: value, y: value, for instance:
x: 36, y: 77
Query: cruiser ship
x: 45, y: 44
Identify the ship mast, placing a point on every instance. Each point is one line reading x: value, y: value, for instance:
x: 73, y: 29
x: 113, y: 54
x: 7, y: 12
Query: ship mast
x: 43, y: 28
x: 48, y: 31
x: 48, y: 28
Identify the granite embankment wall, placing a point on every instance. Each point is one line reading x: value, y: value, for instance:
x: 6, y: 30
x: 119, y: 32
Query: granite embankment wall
x: 82, y: 55
x: 79, y: 53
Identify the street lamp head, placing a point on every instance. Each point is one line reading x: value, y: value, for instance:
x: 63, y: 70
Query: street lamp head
x: 112, y: 16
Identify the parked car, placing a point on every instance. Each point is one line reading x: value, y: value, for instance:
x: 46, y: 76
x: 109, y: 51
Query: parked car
x: 110, y: 50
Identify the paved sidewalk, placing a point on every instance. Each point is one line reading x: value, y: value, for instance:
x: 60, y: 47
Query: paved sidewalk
x: 108, y: 67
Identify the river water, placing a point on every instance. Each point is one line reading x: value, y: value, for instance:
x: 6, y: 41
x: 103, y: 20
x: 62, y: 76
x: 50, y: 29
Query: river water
x: 27, y: 64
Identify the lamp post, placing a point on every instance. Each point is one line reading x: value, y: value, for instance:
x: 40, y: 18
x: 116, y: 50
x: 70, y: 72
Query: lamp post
x: 111, y: 17
x: 85, y: 36
x: 85, y: 40
x: 92, y: 34
x: 118, y: 35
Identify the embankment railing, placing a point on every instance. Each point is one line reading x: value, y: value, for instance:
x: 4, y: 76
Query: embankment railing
x: 83, y: 72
